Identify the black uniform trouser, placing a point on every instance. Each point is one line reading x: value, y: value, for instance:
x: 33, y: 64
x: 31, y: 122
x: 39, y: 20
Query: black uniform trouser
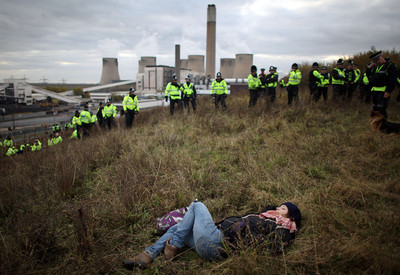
x: 109, y: 121
x: 253, y: 97
x: 272, y: 93
x: 102, y: 122
x: 172, y: 105
x: 321, y: 91
x: 365, y: 92
x: 218, y: 99
x: 129, y: 117
x: 186, y: 100
x: 293, y: 94
x: 314, y: 92
x: 263, y: 92
x: 78, y: 130
x: 339, y: 91
x: 350, y: 90
x: 85, y: 129
x: 379, y: 103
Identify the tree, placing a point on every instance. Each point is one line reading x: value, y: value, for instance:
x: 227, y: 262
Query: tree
x: 78, y: 91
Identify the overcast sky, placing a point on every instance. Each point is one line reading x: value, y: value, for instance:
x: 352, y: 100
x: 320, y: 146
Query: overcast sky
x: 68, y: 39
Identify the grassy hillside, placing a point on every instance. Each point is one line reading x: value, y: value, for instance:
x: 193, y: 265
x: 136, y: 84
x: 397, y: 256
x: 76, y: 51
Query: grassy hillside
x: 85, y: 205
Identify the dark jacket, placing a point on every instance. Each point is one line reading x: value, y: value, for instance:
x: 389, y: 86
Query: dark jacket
x: 252, y: 230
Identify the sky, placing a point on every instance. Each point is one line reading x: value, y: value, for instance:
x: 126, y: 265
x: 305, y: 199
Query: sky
x: 65, y: 41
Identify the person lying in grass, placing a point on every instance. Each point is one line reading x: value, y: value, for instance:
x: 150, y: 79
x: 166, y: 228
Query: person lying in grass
x: 274, y: 227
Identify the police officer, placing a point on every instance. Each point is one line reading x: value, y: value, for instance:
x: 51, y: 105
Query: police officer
x: 254, y: 84
x: 272, y: 83
x: 263, y: 79
x: 323, y: 85
x: 100, y: 117
x: 350, y: 80
x: 338, y: 80
x: 86, y: 120
x: 130, y: 105
x: 383, y: 75
x: 314, y: 78
x: 189, y: 94
x: 365, y: 88
x: 77, y: 123
x: 173, y: 93
x: 292, y: 86
x: 219, y: 91
x: 109, y: 113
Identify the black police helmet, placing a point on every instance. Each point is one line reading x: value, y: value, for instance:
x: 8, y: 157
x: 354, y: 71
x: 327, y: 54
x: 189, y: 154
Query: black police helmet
x: 295, y: 66
x: 174, y: 77
x: 218, y: 74
x: 315, y: 65
x: 253, y: 68
x: 340, y: 61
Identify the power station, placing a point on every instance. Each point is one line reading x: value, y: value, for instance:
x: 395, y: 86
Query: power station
x: 152, y: 77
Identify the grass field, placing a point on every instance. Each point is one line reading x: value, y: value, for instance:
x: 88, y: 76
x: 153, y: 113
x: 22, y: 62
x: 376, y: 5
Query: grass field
x: 84, y: 206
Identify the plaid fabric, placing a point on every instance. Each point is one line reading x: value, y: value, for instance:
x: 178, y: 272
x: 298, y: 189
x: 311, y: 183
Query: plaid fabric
x: 281, y: 222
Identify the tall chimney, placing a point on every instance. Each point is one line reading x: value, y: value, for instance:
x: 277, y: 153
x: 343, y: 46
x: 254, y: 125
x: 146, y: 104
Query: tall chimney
x: 110, y: 72
x: 177, y: 61
x: 211, y: 34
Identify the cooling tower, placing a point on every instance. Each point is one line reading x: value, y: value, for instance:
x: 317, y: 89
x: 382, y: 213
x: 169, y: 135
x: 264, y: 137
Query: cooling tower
x: 177, y: 61
x: 196, y: 63
x: 184, y: 63
x: 227, y: 67
x: 211, y: 36
x: 146, y: 61
x: 110, y: 72
x: 243, y: 64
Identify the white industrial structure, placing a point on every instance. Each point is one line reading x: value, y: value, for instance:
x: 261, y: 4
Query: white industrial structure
x: 21, y: 92
x: 110, y: 71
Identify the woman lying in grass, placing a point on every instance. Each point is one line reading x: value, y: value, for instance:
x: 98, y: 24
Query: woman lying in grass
x: 274, y: 227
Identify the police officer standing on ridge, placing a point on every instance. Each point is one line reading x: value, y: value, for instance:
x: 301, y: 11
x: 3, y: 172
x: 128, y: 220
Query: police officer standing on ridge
x: 189, y: 94
x: 77, y: 122
x: 100, y: 117
x: 109, y: 113
x: 292, y: 86
x: 350, y: 80
x: 219, y: 91
x: 130, y: 105
x: 383, y: 76
x: 86, y: 120
x: 272, y: 83
x: 313, y: 79
x: 254, y: 84
x: 263, y: 79
x: 173, y: 93
x: 323, y: 85
x: 338, y: 80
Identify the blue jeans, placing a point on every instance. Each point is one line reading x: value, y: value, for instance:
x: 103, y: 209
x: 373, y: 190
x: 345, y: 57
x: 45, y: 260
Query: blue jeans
x: 196, y: 230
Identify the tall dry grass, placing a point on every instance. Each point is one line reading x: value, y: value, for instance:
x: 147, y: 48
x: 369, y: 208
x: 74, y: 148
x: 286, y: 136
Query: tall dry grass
x: 83, y: 206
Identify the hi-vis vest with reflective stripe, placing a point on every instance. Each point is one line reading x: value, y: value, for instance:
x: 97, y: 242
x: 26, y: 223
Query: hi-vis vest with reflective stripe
x: 188, y: 89
x: 130, y: 104
x: 338, y: 81
x: 365, y: 79
x: 76, y: 121
x: 85, y: 117
x: 219, y: 88
x: 324, y: 81
x: 294, y: 78
x: 378, y: 70
x: 273, y: 84
x: 254, y: 82
x: 172, y: 91
x: 109, y: 111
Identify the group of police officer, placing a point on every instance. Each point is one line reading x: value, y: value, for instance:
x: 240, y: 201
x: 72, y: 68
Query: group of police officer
x: 378, y: 82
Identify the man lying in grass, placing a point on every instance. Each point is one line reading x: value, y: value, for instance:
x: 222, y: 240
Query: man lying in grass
x: 274, y: 227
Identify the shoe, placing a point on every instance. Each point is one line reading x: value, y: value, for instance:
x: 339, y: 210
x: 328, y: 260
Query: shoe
x: 170, y: 251
x: 141, y: 261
